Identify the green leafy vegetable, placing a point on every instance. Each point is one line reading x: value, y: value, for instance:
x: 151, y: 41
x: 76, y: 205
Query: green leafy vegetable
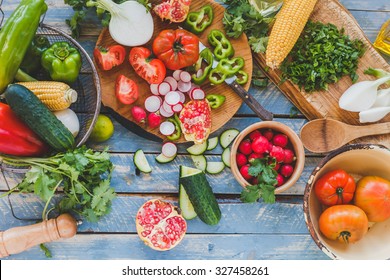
x: 259, y: 79
x: 322, y: 55
x: 83, y: 175
x: 264, y: 171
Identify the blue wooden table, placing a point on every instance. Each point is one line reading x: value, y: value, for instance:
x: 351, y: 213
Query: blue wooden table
x: 246, y: 231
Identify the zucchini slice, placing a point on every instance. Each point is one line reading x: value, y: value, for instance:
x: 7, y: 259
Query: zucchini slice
x: 163, y: 159
x: 227, y: 137
x: 215, y: 167
x: 200, y: 162
x: 212, y: 143
x: 141, y: 162
x: 197, y: 149
x: 226, y: 157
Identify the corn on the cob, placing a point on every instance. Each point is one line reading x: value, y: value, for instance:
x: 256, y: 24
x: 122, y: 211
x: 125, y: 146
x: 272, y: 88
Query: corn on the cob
x: 287, y: 28
x: 55, y: 95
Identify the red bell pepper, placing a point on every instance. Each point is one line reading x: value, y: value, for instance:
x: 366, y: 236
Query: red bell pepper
x: 16, y: 138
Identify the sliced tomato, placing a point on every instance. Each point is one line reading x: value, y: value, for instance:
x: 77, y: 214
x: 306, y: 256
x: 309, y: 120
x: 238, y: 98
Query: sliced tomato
x: 148, y: 68
x: 108, y: 58
x: 126, y: 90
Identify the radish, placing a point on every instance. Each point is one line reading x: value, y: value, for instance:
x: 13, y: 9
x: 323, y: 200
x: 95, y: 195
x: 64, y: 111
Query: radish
x: 182, y: 97
x: 176, y: 74
x: 193, y: 86
x: 154, y: 89
x: 172, y: 82
x: 197, y: 94
x: 199, y: 73
x: 164, y: 88
x: 169, y: 149
x: 167, y: 128
x: 178, y: 107
x: 154, y: 120
x: 138, y: 114
x: 184, y: 86
x: 167, y: 108
x: 152, y: 103
x: 185, y: 76
x: 172, y: 98
x: 166, y: 114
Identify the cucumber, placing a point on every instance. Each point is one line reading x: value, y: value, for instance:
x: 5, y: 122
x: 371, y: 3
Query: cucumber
x: 215, y: 167
x: 200, y: 162
x: 197, y: 149
x: 227, y: 137
x: 200, y: 194
x: 38, y: 117
x: 141, y: 162
x: 186, y: 207
x: 163, y: 159
x: 212, y: 143
x: 226, y: 157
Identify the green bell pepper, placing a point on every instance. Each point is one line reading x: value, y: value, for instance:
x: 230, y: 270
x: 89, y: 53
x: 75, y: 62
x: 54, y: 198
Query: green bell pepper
x: 177, y: 134
x: 197, y: 22
x: 242, y: 77
x: 225, y: 69
x: 222, y: 46
x: 62, y: 61
x: 16, y: 36
x: 32, y: 60
x: 215, y: 100
x: 207, y: 55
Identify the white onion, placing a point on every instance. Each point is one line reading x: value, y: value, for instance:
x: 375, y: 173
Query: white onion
x: 70, y: 120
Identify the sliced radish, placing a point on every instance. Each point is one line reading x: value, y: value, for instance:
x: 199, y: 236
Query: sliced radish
x: 185, y: 76
x: 178, y: 107
x: 154, y: 89
x: 164, y: 88
x: 193, y: 86
x: 169, y: 149
x: 172, y: 98
x: 166, y: 114
x: 167, y: 128
x: 199, y: 73
x: 182, y: 97
x: 184, y: 86
x: 172, y: 82
x: 176, y: 74
x: 153, y: 103
x: 167, y: 107
x: 198, y: 94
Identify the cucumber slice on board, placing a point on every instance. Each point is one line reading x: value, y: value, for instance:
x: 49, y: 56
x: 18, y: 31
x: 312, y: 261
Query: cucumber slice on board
x: 197, y: 149
x: 141, y: 162
x: 226, y: 157
x: 200, y: 162
x: 215, y: 167
x: 186, y: 207
x: 163, y: 159
x: 227, y: 137
x: 212, y: 143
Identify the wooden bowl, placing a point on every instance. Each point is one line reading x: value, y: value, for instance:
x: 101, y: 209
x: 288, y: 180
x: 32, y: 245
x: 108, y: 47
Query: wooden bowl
x: 295, y: 143
x: 358, y: 160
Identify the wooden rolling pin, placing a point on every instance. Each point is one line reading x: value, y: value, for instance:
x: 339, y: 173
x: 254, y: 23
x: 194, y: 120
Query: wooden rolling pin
x: 19, y: 239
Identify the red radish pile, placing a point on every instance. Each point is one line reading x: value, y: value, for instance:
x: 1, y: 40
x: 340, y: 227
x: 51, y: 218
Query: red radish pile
x: 266, y: 143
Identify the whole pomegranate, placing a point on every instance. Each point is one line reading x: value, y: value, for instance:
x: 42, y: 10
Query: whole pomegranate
x: 160, y: 225
x: 173, y: 10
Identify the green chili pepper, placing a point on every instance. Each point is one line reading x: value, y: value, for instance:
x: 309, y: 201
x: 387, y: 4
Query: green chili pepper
x: 215, y: 100
x: 222, y: 46
x: 197, y: 22
x: 207, y: 55
x: 62, y: 61
x: 177, y: 134
x: 32, y: 59
x: 242, y: 77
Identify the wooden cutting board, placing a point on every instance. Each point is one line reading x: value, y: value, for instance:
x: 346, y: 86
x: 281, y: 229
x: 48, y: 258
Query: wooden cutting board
x: 219, y: 116
x: 324, y: 104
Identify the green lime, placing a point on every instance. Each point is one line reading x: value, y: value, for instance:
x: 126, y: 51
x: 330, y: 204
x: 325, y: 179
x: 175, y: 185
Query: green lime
x: 103, y: 129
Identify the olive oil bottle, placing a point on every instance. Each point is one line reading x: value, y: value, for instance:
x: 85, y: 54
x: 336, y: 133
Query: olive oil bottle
x: 382, y: 42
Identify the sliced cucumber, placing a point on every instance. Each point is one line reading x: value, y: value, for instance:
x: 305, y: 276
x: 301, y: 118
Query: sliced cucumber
x: 141, y: 162
x: 226, y: 157
x: 212, y: 143
x: 197, y: 149
x: 200, y: 162
x: 215, y: 167
x: 186, y: 207
x: 163, y: 159
x: 227, y: 137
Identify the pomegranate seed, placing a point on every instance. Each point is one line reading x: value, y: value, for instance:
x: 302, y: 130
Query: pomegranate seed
x: 260, y: 145
x: 280, y: 140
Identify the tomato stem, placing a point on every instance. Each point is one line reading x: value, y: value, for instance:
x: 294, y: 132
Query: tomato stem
x: 345, y: 235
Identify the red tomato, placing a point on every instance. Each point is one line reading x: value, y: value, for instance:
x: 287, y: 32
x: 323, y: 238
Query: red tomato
x: 126, y: 90
x: 108, y: 58
x: 335, y: 187
x: 373, y: 197
x: 344, y: 223
x: 176, y: 48
x: 150, y: 69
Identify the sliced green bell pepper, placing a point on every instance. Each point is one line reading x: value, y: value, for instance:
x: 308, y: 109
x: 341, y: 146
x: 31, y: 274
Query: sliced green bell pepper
x: 242, y: 77
x: 197, y: 22
x: 177, y: 134
x: 32, y: 60
x: 225, y: 69
x: 206, y: 55
x: 222, y: 46
x: 215, y: 100
x: 62, y: 61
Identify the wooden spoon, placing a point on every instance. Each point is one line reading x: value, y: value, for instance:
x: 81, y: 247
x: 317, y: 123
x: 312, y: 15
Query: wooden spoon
x: 325, y: 135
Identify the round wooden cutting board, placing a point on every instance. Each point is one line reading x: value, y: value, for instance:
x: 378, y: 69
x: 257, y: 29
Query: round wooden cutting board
x: 219, y: 116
